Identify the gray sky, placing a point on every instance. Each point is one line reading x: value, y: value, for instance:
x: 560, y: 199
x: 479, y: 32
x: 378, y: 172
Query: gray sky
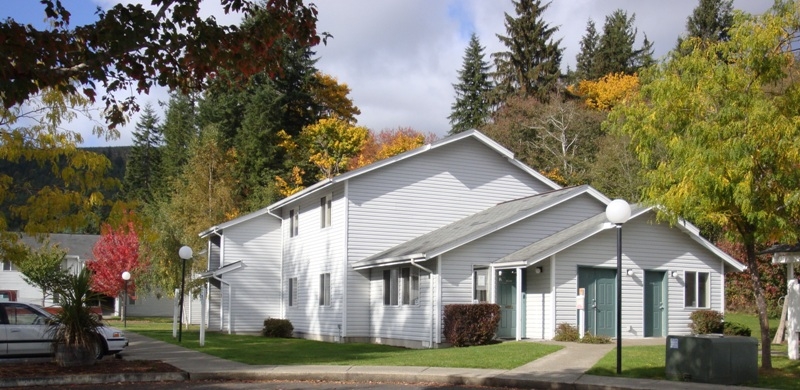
x: 401, y: 57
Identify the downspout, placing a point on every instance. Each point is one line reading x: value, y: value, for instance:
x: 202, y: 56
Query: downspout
x: 433, y: 307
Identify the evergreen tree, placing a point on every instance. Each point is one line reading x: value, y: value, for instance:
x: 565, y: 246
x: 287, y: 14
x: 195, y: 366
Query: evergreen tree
x: 143, y: 170
x: 471, y: 108
x: 586, y: 57
x: 615, y: 51
x: 531, y: 66
x: 644, y: 57
x: 179, y: 131
x: 709, y: 22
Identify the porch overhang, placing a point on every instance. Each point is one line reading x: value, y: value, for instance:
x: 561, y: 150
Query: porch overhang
x: 388, y: 261
x: 222, y: 270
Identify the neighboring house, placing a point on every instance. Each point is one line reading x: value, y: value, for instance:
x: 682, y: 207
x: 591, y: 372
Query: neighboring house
x: 375, y: 254
x: 79, y: 250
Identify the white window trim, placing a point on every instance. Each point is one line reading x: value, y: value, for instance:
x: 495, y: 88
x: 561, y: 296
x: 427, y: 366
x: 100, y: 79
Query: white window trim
x: 325, y: 289
x: 696, y: 293
x: 294, y: 222
x: 326, y: 211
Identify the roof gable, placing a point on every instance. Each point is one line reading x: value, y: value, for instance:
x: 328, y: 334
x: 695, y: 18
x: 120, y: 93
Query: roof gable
x: 476, y: 226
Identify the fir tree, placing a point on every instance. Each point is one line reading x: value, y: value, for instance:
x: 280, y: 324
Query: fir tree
x: 709, y: 22
x: 586, y: 57
x: 531, y: 66
x: 144, y: 169
x: 471, y: 108
x: 615, y: 51
x: 179, y: 130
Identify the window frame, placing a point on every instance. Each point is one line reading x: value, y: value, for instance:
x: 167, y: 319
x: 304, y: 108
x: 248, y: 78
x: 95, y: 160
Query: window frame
x: 697, y: 289
x: 294, y: 221
x: 326, y: 209
x: 401, y: 286
x: 8, y: 266
x: 480, y: 292
x: 325, y: 289
x: 293, y: 292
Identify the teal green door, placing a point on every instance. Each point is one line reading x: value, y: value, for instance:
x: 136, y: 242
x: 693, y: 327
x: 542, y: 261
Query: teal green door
x: 507, y: 299
x: 600, y: 305
x: 655, y: 296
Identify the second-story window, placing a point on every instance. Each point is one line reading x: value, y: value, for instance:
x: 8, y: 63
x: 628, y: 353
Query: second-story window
x: 325, y: 211
x: 294, y: 220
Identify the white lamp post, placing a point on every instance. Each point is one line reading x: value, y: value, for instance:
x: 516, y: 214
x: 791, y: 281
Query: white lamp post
x: 618, y: 212
x: 185, y: 253
x: 126, y: 276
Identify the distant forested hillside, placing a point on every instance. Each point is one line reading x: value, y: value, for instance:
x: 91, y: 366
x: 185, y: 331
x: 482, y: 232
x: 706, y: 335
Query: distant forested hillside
x: 36, y: 177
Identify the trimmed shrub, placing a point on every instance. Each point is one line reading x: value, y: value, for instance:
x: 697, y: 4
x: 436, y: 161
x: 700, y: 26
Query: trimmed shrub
x: 706, y: 321
x: 589, y: 338
x: 566, y: 332
x: 473, y: 324
x: 736, y: 329
x: 277, y: 327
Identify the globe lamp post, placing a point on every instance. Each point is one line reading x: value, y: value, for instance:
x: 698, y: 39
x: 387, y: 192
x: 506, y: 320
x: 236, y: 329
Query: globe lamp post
x: 618, y: 212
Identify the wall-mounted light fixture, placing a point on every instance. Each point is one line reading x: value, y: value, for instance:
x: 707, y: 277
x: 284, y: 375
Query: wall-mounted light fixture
x: 674, y: 274
x: 539, y: 270
x: 629, y: 272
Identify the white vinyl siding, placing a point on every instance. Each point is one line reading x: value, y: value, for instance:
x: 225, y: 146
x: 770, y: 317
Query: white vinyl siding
x: 257, y: 244
x: 407, y: 325
x: 317, y: 312
x: 646, y: 245
x: 415, y: 196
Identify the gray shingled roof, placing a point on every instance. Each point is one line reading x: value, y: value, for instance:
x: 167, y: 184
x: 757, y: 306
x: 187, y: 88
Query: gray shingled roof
x: 470, y: 228
x: 75, y: 244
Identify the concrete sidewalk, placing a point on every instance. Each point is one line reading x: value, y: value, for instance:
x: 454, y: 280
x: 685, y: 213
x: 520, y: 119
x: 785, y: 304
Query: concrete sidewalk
x: 560, y: 370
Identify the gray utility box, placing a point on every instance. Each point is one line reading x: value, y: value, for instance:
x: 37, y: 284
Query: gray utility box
x: 726, y: 360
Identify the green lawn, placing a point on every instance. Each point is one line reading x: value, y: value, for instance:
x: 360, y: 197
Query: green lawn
x: 649, y: 361
x: 259, y: 350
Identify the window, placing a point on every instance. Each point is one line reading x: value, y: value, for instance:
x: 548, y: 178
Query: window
x: 292, y: 291
x: 401, y: 286
x: 294, y: 220
x: 325, y: 289
x: 325, y: 211
x: 696, y: 290
x: 8, y: 265
x: 479, y: 283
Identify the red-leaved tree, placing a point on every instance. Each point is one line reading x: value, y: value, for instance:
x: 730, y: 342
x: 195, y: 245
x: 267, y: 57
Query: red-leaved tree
x: 115, y: 252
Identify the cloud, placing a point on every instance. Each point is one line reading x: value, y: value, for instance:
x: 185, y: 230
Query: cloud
x: 401, y: 57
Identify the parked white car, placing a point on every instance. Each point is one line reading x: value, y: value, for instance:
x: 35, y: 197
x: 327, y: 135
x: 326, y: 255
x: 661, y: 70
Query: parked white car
x: 25, y: 330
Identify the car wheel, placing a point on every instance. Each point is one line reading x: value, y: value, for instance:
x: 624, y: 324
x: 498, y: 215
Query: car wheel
x: 99, y: 348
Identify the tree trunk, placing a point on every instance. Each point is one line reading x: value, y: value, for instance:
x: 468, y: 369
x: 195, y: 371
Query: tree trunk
x: 761, y: 303
x: 780, y: 334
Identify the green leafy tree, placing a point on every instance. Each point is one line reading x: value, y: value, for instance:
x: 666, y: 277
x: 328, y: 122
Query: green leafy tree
x: 144, y: 170
x: 202, y: 196
x: 36, y: 133
x: 130, y: 47
x: 709, y: 22
x: 531, y: 66
x: 584, y: 68
x: 615, y: 52
x: 42, y: 267
x: 472, y: 107
x: 718, y: 134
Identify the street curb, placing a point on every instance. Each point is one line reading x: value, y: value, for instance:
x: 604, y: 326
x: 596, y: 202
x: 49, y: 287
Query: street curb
x: 93, y: 379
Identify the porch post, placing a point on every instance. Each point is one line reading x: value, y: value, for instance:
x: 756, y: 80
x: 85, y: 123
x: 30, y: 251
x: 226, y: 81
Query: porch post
x: 520, y: 306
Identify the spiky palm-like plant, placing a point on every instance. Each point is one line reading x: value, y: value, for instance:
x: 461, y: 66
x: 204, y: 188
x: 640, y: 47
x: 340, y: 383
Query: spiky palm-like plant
x: 76, y: 329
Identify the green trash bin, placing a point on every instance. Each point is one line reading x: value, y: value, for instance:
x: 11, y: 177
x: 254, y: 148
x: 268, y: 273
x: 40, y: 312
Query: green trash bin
x: 725, y: 360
